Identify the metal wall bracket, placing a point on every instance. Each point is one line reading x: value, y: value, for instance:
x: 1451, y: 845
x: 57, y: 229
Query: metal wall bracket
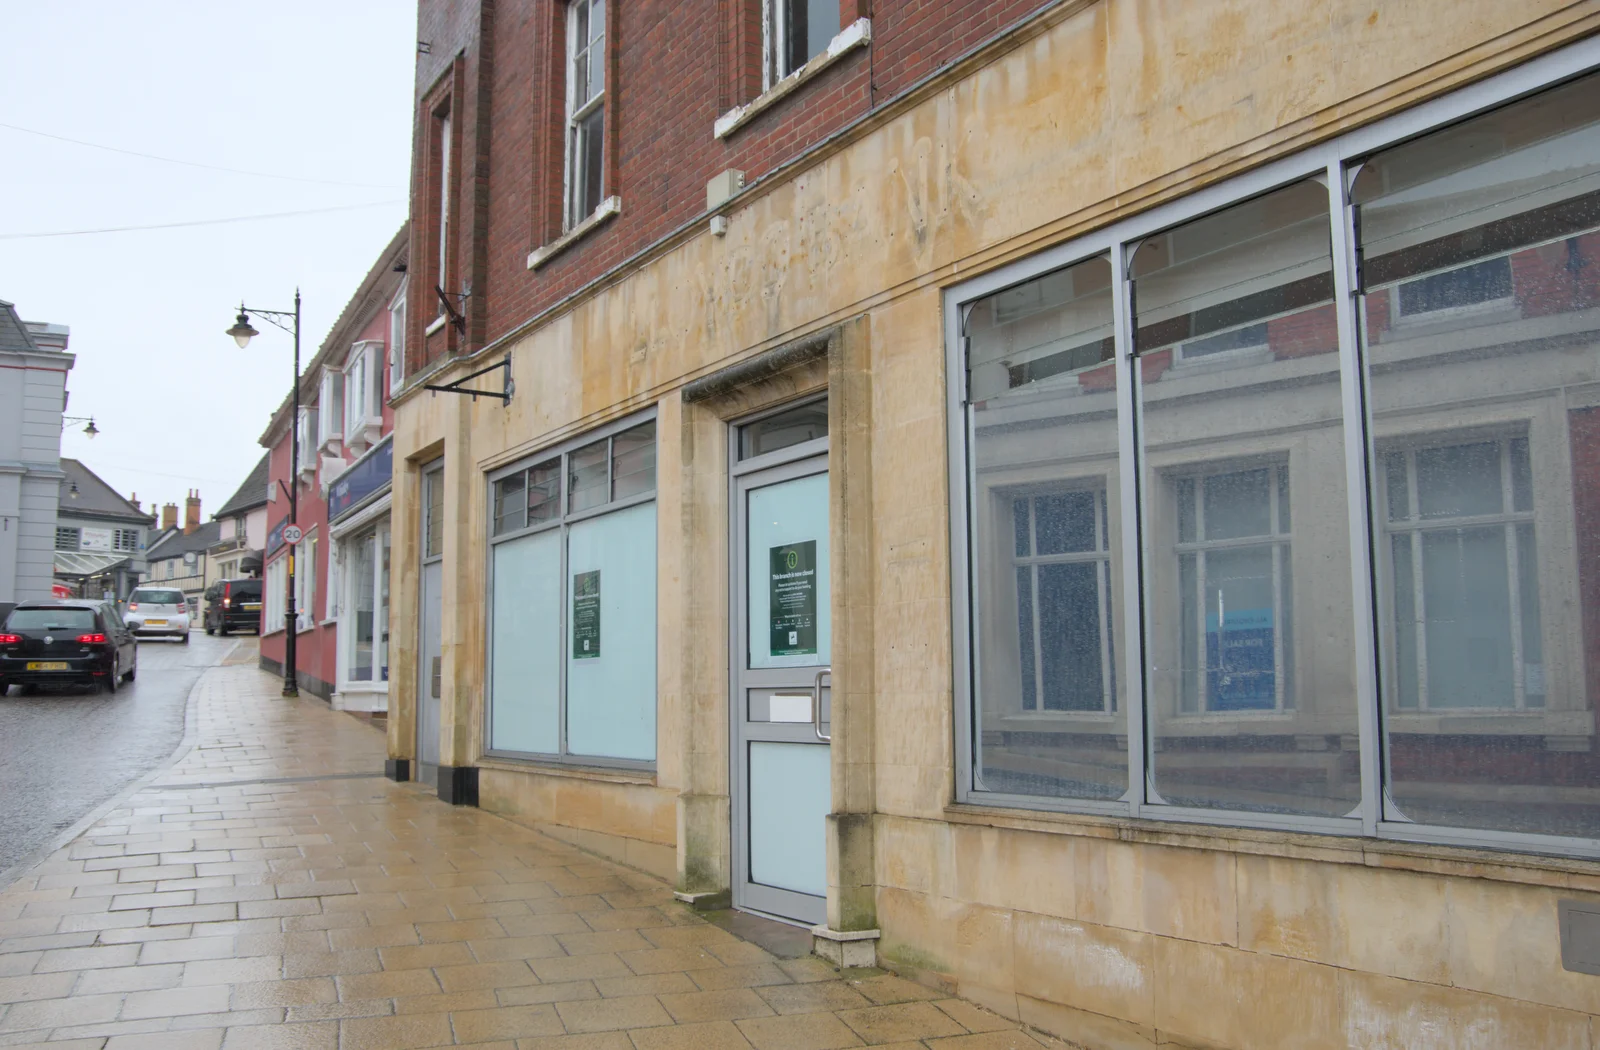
x: 508, y: 386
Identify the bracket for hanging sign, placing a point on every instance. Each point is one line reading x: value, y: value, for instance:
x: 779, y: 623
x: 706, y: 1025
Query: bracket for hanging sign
x: 456, y: 318
x: 508, y: 386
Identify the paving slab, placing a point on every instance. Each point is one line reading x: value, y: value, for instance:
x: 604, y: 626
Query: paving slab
x: 269, y: 891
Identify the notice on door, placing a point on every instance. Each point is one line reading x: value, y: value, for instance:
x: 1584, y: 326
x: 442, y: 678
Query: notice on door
x: 586, y: 615
x: 793, y: 607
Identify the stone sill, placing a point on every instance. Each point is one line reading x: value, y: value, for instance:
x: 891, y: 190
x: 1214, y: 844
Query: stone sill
x: 1425, y: 858
x: 436, y: 324
x: 609, y: 207
x: 602, y: 774
x: 856, y: 34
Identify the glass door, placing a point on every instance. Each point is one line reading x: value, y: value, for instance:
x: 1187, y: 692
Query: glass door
x: 781, y: 689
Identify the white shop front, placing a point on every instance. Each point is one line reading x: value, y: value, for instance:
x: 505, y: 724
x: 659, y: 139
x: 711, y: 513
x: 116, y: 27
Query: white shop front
x: 358, y: 521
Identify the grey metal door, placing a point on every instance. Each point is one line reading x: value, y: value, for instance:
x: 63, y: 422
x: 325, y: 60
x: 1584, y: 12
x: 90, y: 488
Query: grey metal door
x: 781, y: 642
x: 430, y: 676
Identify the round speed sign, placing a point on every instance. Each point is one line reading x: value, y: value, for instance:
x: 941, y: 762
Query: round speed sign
x: 292, y: 534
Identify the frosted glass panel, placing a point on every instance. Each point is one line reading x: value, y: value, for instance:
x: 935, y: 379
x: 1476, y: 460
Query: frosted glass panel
x: 788, y: 558
x: 611, y: 684
x: 525, y: 715
x: 790, y: 795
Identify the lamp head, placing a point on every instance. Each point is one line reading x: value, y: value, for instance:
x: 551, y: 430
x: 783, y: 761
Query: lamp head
x: 241, y: 330
x: 91, y: 430
x: 73, y: 492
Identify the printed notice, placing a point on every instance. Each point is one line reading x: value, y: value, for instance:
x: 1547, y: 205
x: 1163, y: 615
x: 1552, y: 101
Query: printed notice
x: 586, y: 615
x: 793, y: 608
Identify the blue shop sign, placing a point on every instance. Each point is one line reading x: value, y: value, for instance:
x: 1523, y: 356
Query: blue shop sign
x: 275, y: 537
x: 370, y: 475
x: 1241, y: 667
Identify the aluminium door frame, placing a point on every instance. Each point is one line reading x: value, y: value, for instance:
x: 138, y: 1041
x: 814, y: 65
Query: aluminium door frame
x: 806, y: 459
x: 425, y: 674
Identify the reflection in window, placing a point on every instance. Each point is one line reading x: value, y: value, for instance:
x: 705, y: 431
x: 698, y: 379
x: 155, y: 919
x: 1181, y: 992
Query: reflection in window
x: 1239, y: 718
x: 1488, y: 534
x: 1063, y: 566
x: 794, y: 426
x: 1465, y: 579
x: 1233, y: 568
x: 1042, y: 407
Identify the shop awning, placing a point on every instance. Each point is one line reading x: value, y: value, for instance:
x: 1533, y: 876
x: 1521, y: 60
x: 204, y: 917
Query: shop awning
x: 79, y: 565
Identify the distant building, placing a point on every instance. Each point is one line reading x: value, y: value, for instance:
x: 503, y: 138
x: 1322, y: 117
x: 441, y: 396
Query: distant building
x: 179, y: 557
x: 100, y: 537
x: 33, y: 394
x: 242, y: 535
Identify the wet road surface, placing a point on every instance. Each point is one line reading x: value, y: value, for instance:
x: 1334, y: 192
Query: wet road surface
x: 64, y: 751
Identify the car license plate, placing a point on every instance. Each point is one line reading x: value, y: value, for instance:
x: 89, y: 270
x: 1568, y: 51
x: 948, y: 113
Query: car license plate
x: 48, y: 665
x: 155, y: 623
x: 252, y: 606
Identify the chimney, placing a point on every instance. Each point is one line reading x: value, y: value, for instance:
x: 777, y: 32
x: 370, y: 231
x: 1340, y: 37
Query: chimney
x: 169, y: 516
x: 191, y: 514
x: 134, y: 499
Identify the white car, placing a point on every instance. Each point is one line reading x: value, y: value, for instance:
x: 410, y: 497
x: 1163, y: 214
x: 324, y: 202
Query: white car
x: 160, y: 612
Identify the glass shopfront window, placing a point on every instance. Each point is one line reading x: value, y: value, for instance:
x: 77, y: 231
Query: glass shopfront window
x: 1345, y: 420
x: 572, y: 665
x: 1480, y: 317
x: 365, y: 626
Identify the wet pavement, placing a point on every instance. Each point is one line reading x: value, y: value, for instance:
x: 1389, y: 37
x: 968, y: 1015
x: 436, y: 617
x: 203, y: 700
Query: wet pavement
x: 270, y: 891
x: 65, y: 751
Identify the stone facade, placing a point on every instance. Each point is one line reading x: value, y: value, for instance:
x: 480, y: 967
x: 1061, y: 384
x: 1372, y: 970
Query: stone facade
x: 1115, y: 932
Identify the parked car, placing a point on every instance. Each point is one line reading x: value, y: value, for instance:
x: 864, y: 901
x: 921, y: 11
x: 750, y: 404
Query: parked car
x: 159, y: 612
x: 81, y: 640
x: 233, y: 605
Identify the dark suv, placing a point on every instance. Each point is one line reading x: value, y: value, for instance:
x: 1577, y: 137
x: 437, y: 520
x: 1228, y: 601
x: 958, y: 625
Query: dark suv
x: 52, y: 642
x: 233, y: 605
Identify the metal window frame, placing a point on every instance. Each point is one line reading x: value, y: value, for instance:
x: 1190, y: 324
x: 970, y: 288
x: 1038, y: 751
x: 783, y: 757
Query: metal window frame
x: 563, y: 521
x: 1334, y: 163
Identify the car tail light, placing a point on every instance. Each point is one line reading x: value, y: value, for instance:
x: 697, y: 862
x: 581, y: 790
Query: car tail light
x: 10, y: 639
x: 226, y: 602
x: 132, y: 606
x: 92, y: 639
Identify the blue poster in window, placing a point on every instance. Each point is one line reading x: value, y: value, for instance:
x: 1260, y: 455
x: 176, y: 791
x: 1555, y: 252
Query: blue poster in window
x: 1241, y: 673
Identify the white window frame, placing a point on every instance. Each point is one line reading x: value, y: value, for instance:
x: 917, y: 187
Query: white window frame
x: 307, y: 427
x: 575, y: 171
x: 1333, y: 163
x: 76, y: 534
x: 397, y: 339
x: 1404, y: 318
x: 363, y: 404
x: 330, y: 411
x: 125, y: 540
x: 775, y: 42
x: 379, y: 535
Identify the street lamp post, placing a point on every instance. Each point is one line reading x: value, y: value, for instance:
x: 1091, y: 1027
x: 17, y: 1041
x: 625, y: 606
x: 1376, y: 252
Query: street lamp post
x: 242, y: 333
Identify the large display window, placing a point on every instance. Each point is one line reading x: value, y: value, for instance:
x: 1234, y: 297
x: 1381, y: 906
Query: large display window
x: 572, y: 659
x: 1280, y: 505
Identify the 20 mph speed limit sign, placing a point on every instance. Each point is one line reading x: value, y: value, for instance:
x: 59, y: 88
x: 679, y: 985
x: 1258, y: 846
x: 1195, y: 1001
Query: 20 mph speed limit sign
x: 292, y: 534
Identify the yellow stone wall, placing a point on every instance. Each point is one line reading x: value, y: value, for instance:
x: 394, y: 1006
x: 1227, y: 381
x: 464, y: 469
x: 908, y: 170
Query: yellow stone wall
x: 1120, y: 933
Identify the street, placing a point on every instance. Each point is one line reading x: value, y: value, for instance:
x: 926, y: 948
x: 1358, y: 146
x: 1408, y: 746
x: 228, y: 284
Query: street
x: 65, y: 751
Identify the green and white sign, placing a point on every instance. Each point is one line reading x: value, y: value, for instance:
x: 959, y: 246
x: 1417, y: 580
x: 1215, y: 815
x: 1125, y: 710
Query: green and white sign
x: 793, y: 603
x: 586, y: 615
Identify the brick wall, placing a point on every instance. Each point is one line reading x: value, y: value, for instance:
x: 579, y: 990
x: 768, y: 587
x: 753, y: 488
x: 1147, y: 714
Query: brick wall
x: 674, y: 66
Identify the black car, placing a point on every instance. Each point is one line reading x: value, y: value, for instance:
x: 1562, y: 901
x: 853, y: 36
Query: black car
x: 53, y: 642
x: 233, y: 605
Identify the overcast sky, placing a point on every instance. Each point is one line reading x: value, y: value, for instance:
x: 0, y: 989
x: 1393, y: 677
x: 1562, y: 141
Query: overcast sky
x: 319, y: 91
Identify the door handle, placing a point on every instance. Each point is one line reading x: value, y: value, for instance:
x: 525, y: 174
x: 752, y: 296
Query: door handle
x: 816, y: 704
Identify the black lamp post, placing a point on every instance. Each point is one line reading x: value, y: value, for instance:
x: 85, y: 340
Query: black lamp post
x: 242, y: 333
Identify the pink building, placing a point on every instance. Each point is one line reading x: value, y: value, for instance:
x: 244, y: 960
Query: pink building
x: 343, y: 478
